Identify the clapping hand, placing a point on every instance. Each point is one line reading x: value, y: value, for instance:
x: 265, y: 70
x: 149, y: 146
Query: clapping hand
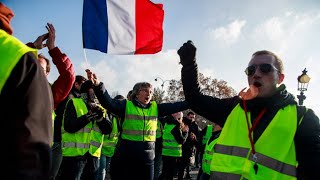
x: 51, y: 36
x: 38, y: 43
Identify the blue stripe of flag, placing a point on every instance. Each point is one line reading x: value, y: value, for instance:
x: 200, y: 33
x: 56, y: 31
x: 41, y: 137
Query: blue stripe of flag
x: 95, y: 25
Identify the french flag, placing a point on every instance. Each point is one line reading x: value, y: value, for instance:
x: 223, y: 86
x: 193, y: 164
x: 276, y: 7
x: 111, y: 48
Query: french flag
x: 122, y: 26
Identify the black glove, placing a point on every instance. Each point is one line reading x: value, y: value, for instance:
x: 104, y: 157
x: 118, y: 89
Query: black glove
x: 100, y: 111
x: 91, y: 116
x: 187, y: 53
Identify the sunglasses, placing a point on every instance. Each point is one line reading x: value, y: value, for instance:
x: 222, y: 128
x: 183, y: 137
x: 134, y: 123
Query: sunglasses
x: 264, y: 68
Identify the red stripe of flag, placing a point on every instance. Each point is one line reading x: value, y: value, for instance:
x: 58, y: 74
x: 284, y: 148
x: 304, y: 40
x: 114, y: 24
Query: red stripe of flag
x: 149, y: 32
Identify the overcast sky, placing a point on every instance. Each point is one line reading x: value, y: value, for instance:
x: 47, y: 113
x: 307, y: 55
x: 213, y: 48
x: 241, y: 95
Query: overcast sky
x: 225, y: 32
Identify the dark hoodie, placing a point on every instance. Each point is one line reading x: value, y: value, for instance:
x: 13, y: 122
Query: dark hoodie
x: 307, y: 139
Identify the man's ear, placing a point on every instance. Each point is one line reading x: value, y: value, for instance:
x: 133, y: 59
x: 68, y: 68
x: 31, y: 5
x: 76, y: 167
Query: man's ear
x: 281, y: 78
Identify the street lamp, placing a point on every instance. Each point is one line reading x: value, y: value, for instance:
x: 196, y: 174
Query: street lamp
x: 303, y: 82
x: 163, y: 81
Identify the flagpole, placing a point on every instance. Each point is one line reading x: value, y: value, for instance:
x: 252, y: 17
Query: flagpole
x: 85, y: 57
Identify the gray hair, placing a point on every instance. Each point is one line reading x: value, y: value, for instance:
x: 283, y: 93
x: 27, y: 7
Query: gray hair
x: 138, y: 86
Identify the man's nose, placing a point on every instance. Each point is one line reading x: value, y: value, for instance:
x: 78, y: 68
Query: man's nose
x: 257, y: 73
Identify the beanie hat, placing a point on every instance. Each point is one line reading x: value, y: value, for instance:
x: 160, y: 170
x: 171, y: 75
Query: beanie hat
x: 6, y: 15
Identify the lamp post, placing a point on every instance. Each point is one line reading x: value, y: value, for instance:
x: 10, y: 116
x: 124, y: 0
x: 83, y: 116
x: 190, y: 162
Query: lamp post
x: 163, y: 81
x: 303, y: 82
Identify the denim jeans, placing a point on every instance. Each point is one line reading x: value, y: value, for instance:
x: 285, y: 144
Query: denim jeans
x: 157, y: 164
x: 56, y: 159
x: 77, y: 168
x: 103, y: 167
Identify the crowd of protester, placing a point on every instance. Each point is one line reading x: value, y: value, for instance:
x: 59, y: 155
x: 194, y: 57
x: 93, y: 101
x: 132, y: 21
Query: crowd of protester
x: 73, y: 129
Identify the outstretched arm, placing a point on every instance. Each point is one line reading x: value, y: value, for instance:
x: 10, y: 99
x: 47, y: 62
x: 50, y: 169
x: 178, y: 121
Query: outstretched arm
x: 114, y: 106
x: 211, y: 108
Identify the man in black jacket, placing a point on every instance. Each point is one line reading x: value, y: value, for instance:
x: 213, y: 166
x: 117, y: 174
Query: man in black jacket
x: 264, y: 105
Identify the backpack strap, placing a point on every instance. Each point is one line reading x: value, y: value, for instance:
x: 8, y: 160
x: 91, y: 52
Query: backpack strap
x: 301, y: 111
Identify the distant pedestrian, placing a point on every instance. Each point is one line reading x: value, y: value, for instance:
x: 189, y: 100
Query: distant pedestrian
x: 174, y: 135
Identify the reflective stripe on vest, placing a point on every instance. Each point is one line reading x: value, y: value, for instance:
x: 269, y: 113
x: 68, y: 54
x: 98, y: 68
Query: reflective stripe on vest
x: 208, y: 134
x: 11, y: 50
x: 276, y: 157
x: 170, y: 147
x: 86, y: 139
x: 110, y: 141
x: 140, y: 124
x: 228, y: 176
x: 207, y: 156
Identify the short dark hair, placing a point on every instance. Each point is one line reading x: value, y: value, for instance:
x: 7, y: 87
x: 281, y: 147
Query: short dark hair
x: 129, y: 95
x: 86, y: 86
x: 118, y: 97
x: 138, y: 86
x: 279, y: 62
x: 80, y: 79
x: 186, y: 121
x: 48, y: 67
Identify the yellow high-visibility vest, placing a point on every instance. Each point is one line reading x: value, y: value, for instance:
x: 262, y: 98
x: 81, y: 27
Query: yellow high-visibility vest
x: 140, y: 124
x: 275, y: 149
x: 88, y: 138
x: 11, y: 50
x: 207, y: 135
x: 110, y: 141
x: 207, y: 156
x: 170, y: 146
